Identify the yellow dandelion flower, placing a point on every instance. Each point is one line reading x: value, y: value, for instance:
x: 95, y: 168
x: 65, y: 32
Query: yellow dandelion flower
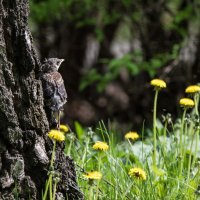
x: 132, y: 135
x: 56, y: 135
x: 138, y: 173
x: 101, y: 146
x: 186, y: 102
x: 95, y: 175
x: 64, y: 128
x: 192, y: 89
x: 158, y: 83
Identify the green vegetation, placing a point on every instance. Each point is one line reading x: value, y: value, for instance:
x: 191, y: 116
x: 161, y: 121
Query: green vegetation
x: 126, y: 168
x: 134, y: 63
x: 160, y: 29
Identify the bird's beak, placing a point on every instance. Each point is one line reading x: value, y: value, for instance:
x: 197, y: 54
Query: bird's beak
x: 61, y: 60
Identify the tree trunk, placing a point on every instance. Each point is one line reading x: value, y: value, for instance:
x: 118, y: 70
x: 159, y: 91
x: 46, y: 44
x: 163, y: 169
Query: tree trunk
x: 24, y: 147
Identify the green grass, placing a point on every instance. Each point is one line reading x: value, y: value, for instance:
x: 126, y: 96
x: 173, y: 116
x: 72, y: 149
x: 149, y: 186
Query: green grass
x: 173, y: 172
x: 163, y: 181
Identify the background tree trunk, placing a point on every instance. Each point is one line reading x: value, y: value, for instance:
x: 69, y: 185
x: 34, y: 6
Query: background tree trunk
x: 24, y: 146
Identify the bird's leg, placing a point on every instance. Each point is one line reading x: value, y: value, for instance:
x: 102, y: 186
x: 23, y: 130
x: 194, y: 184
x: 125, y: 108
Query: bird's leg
x: 51, y: 118
x: 58, y: 124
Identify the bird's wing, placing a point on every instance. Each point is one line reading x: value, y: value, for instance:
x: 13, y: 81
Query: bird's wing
x: 48, y: 84
x: 54, y: 84
x: 60, y: 86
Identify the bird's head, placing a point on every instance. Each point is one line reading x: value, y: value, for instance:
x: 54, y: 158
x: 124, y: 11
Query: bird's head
x: 52, y: 64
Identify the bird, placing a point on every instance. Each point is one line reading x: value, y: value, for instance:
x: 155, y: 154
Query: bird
x: 55, y: 95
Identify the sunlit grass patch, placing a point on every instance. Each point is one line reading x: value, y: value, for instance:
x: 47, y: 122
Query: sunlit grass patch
x: 162, y: 165
x: 132, y: 170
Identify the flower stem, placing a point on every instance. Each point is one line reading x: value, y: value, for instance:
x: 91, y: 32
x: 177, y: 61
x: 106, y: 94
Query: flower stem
x: 53, y: 154
x: 85, y: 152
x: 196, y: 148
x: 47, y: 187
x: 90, y: 192
x: 54, y: 191
x: 97, y: 191
x: 190, y: 158
x: 165, y: 137
x: 69, y: 148
x: 99, y: 169
x: 154, y: 127
x: 50, y: 187
x: 49, y: 182
x: 196, y: 103
x: 181, y: 141
x: 182, y: 130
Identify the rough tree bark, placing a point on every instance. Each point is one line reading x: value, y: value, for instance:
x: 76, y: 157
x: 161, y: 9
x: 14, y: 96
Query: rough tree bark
x: 24, y: 147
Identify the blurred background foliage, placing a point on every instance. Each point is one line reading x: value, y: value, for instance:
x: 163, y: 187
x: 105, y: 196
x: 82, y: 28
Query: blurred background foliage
x: 113, y: 48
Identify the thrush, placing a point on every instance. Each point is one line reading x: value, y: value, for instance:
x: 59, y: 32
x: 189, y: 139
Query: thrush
x: 55, y: 95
